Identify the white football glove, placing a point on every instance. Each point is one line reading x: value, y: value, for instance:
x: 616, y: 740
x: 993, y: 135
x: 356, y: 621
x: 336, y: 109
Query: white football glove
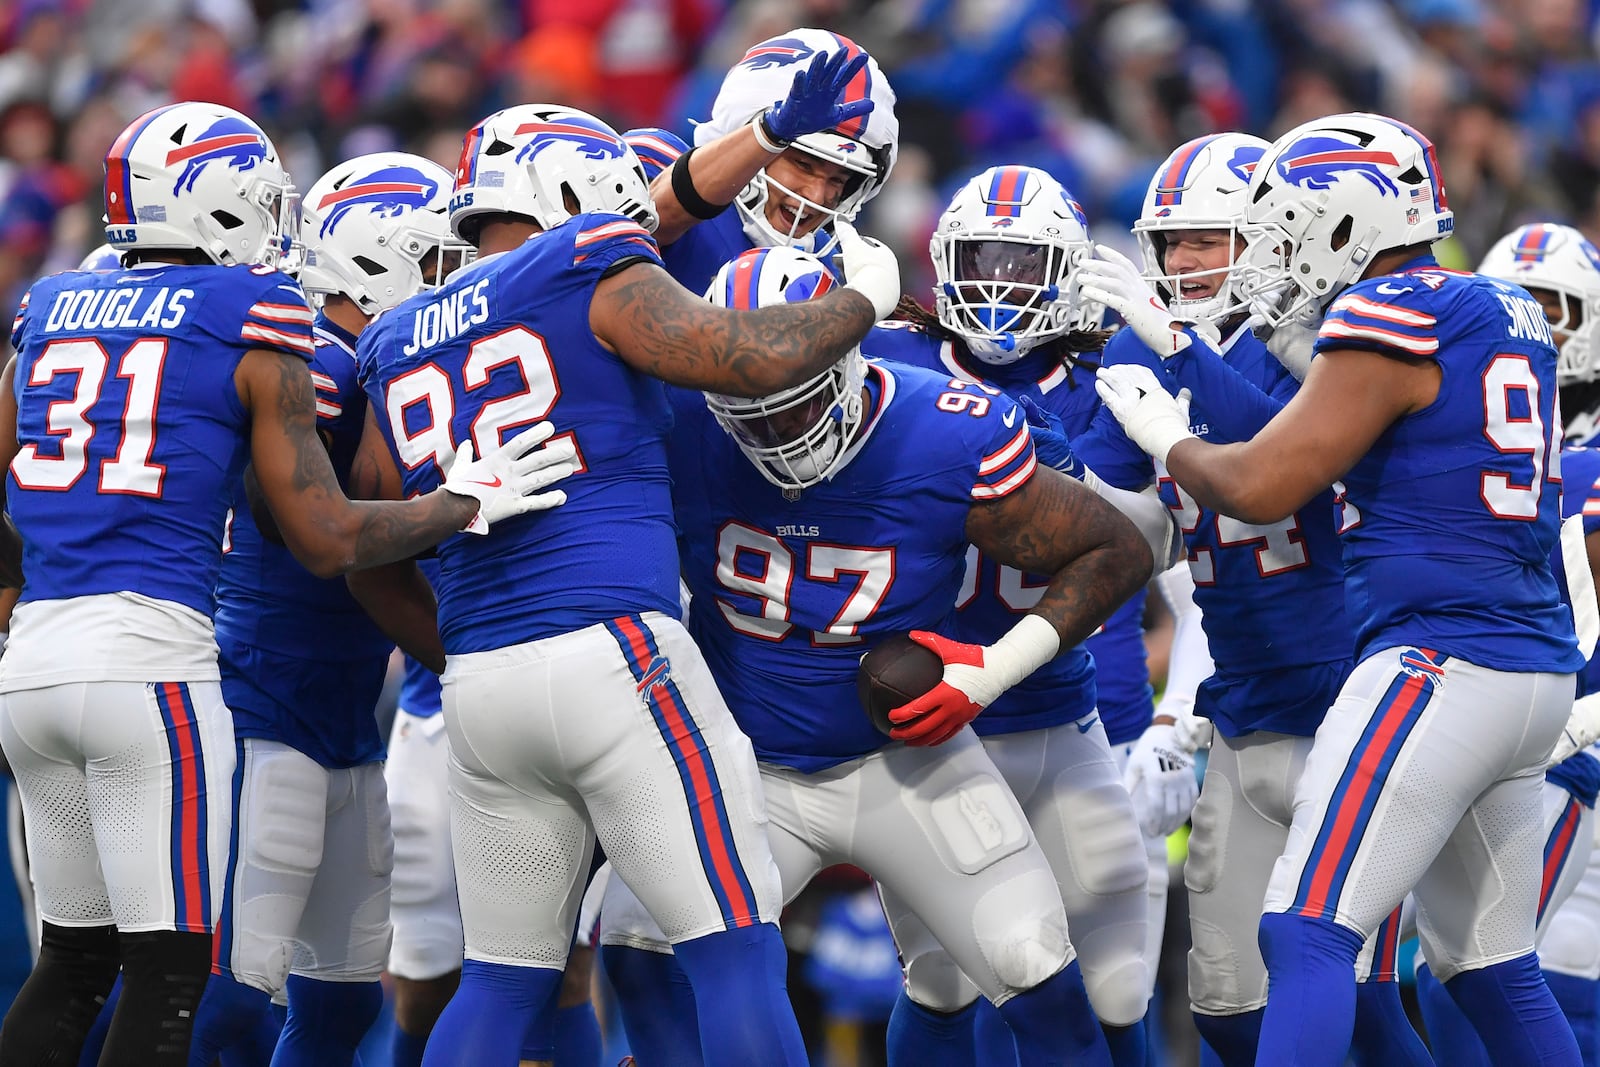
x: 508, y: 480
x: 1110, y: 278
x: 869, y: 268
x: 1291, y: 341
x: 1153, y: 418
x: 1160, y: 779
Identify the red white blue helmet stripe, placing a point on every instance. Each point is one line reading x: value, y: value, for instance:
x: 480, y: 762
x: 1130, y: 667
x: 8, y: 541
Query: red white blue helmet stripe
x: 1004, y: 197
x: 1169, y: 188
x: 1430, y: 160
x: 860, y: 88
x: 1533, y: 242
x: 119, y: 178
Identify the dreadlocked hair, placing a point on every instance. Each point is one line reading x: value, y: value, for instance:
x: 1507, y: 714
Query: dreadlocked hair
x: 1069, y: 350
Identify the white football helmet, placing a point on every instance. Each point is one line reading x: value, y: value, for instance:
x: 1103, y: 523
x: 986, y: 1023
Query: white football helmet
x: 368, y: 225
x: 103, y: 258
x: 1201, y: 186
x: 549, y: 163
x: 201, y: 176
x: 1328, y: 196
x: 1564, y: 261
x: 865, y: 146
x: 1005, y: 253
x: 800, y: 436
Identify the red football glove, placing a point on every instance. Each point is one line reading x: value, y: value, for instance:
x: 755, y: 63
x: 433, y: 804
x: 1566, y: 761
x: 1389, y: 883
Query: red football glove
x: 939, y: 714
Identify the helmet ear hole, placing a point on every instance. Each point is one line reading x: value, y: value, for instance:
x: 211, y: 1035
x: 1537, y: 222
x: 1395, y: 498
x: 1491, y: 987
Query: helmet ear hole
x: 227, y: 220
x: 1341, y: 233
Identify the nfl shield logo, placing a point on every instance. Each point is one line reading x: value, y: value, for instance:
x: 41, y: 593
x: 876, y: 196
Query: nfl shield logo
x: 791, y: 495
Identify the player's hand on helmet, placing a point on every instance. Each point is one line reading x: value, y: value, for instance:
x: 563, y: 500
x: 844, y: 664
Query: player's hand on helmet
x: 509, y: 480
x: 1160, y: 778
x: 813, y: 102
x: 1110, y: 278
x: 1153, y: 418
x: 1291, y: 341
x: 870, y: 268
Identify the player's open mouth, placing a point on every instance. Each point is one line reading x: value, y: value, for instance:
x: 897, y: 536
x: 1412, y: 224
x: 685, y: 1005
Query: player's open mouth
x: 1193, y: 290
x: 791, y: 217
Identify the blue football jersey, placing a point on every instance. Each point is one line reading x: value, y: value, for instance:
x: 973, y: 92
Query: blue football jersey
x: 788, y: 593
x: 503, y: 344
x: 420, y: 692
x: 1271, y: 595
x: 267, y: 601
x: 1450, y: 518
x: 132, y: 433
x: 1109, y: 670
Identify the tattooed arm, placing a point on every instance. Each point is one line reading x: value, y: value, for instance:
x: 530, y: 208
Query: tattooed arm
x: 1054, y: 525
x: 660, y: 328
x: 396, y: 595
x: 10, y: 539
x: 325, y: 530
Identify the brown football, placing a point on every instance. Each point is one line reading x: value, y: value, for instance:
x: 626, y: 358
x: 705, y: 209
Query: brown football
x: 895, y: 672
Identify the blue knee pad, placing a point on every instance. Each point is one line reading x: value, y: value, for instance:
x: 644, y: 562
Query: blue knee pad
x: 491, y: 1012
x: 327, y: 1021
x: 656, y: 1004
x: 919, y: 1035
x: 1580, y: 1003
x: 1517, y: 1018
x: 236, y: 1019
x: 1054, y: 1024
x: 1311, y: 990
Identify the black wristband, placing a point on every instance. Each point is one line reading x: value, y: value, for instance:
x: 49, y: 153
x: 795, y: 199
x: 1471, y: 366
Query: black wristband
x: 689, y: 197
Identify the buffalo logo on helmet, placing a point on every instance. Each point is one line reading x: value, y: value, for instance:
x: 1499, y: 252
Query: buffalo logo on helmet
x: 593, y: 140
x: 388, y: 192
x: 1318, y: 161
x: 1077, y: 211
x: 1590, y: 252
x: 230, y: 140
x: 778, y: 52
x: 1245, y: 158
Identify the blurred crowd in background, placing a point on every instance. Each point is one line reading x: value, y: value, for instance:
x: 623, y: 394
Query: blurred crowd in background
x: 1096, y: 91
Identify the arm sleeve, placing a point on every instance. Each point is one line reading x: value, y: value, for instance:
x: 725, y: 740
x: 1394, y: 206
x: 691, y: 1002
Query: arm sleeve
x: 1190, y: 660
x: 1390, y: 318
x: 279, y: 320
x: 1231, y: 402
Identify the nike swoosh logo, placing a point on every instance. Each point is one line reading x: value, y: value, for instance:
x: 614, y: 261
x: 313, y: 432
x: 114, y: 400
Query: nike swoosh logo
x: 1009, y: 418
x: 1392, y: 290
x: 1086, y: 725
x: 479, y: 481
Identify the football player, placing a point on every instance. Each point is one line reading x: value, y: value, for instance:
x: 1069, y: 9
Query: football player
x: 765, y: 173
x: 135, y: 398
x: 1431, y: 397
x: 1004, y: 252
x: 306, y: 894
x: 1560, y: 268
x: 1252, y: 582
x: 792, y: 579
x: 575, y: 702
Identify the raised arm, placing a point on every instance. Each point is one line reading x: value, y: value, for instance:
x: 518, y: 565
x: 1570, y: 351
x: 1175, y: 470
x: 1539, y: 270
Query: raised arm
x: 705, y: 180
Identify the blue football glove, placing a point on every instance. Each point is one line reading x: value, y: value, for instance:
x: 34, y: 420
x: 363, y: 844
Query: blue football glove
x: 1049, y: 434
x: 813, y: 101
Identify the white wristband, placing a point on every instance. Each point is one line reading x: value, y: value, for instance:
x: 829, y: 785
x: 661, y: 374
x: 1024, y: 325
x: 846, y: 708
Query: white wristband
x: 768, y: 143
x: 1026, y: 647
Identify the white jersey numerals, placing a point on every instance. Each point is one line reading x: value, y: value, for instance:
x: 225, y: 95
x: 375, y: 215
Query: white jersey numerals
x: 1279, y: 546
x: 1522, y: 433
x: 758, y: 565
x: 129, y: 470
x: 421, y: 402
